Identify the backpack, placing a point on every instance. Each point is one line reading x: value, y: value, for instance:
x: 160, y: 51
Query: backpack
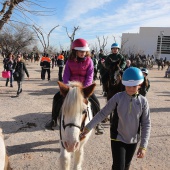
x: 60, y: 62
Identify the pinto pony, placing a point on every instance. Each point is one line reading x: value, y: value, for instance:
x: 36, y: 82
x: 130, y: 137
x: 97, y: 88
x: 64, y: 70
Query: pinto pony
x: 4, y: 164
x: 76, y: 113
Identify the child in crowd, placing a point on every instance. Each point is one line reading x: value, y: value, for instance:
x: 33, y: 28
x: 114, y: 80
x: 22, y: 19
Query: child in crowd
x: 146, y: 83
x: 167, y: 71
x: 130, y: 114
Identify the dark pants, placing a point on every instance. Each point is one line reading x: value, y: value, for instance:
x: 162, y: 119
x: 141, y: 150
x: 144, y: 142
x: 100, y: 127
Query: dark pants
x: 60, y: 73
x: 19, y: 83
x: 95, y: 74
x: 43, y: 72
x: 122, y: 155
x: 10, y: 79
x: 58, y: 101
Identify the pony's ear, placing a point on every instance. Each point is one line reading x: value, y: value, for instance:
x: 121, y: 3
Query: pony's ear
x: 63, y: 88
x: 88, y: 91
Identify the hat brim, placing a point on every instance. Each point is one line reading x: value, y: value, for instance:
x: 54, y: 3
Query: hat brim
x: 132, y: 82
x: 82, y: 48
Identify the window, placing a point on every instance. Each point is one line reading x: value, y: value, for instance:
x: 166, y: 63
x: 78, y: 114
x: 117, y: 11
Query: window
x: 165, y: 47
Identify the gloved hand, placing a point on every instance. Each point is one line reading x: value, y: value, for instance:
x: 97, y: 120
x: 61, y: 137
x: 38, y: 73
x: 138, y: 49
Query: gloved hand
x: 83, y: 133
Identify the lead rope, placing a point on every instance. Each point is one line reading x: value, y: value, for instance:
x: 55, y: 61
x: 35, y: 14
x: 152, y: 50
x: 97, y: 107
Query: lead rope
x: 60, y: 134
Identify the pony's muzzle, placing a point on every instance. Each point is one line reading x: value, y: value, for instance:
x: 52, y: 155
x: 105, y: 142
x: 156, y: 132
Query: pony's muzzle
x: 71, y: 147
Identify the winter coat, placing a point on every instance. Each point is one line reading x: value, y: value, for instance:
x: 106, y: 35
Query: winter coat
x: 60, y: 61
x: 79, y: 70
x: 144, y: 87
x: 45, y: 62
x: 8, y: 64
x: 21, y: 69
x: 112, y: 62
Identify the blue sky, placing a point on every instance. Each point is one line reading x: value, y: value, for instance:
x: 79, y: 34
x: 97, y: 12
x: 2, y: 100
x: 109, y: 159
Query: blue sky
x: 100, y: 17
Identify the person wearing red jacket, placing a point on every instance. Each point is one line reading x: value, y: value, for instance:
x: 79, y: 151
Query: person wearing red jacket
x: 45, y: 64
x: 60, y: 64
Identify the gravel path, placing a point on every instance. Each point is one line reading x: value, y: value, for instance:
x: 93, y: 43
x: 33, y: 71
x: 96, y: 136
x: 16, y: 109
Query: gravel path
x: 31, y: 147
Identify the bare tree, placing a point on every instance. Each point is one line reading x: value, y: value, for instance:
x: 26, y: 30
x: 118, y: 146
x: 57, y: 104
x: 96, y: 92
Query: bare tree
x: 61, y: 48
x: 114, y: 38
x: 7, y: 13
x: 94, y: 47
x: 123, y: 42
x: 23, y: 7
x: 52, y: 50
x: 14, y: 40
x: 103, y: 44
x: 71, y: 37
x: 41, y: 37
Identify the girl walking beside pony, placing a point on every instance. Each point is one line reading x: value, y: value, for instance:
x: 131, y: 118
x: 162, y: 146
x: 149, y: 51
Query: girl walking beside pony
x: 131, y: 115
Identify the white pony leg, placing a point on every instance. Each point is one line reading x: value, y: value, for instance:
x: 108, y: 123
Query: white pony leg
x: 64, y: 159
x: 78, y: 158
x: 2, y: 151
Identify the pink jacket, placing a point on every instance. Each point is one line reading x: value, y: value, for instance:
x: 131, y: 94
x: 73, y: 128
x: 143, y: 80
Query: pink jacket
x: 81, y: 71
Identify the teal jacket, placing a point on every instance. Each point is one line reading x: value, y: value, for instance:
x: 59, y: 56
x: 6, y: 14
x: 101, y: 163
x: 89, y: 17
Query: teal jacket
x: 110, y: 59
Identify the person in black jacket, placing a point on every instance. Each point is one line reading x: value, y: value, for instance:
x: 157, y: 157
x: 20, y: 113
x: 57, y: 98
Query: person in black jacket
x: 8, y: 66
x: 20, y: 70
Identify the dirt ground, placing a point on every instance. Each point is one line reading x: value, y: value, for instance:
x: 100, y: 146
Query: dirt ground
x: 31, y: 147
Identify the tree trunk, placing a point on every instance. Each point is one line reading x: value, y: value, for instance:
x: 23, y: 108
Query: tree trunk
x: 8, y: 13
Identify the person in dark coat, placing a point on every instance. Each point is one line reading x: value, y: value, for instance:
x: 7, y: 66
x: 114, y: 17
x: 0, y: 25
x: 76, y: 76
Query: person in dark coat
x: 20, y: 70
x: 8, y: 66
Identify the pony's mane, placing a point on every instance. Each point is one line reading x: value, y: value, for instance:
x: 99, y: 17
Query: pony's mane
x: 73, y: 102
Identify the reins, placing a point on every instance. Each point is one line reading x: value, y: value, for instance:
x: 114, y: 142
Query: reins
x: 62, y: 123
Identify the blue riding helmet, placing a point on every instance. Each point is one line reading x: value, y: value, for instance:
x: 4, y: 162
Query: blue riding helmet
x: 115, y: 45
x: 132, y: 77
x: 144, y: 70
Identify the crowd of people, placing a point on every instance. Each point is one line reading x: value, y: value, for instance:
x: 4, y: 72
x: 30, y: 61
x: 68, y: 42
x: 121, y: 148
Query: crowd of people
x: 128, y: 108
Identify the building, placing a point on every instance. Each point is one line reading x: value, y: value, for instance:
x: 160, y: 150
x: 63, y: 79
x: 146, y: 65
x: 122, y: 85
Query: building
x: 149, y: 41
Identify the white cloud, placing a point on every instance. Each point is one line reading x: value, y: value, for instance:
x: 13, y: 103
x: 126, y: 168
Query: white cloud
x: 75, y: 8
x: 95, y: 19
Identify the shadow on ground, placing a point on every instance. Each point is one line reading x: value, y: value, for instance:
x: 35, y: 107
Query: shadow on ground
x: 31, y: 147
x: 160, y: 110
x: 26, y: 123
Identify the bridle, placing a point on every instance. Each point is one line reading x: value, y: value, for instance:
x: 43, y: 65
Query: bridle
x: 81, y: 127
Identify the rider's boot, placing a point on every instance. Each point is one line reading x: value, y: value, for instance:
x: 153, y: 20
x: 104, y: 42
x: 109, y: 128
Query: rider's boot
x: 51, y: 125
x: 99, y: 129
x: 105, y: 120
x: 104, y: 94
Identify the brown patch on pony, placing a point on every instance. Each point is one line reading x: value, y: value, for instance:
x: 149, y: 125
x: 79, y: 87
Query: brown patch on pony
x: 85, y: 101
x: 63, y: 88
x: 88, y: 91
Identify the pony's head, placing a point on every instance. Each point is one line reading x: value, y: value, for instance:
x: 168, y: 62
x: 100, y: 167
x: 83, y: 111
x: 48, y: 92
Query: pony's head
x: 76, y: 112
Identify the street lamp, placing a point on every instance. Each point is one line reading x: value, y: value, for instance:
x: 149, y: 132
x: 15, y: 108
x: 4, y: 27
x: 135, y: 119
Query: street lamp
x: 160, y: 47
